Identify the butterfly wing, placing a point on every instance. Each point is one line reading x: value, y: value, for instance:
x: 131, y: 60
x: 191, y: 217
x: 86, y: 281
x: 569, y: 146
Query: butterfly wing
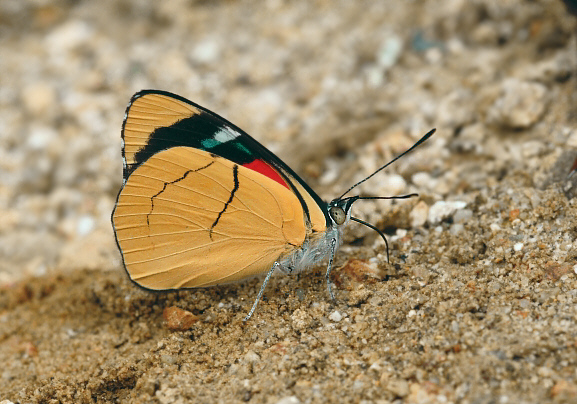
x: 189, y: 218
x: 158, y: 120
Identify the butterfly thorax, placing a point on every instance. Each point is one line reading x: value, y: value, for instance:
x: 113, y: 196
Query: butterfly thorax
x: 315, y: 249
x: 319, y: 246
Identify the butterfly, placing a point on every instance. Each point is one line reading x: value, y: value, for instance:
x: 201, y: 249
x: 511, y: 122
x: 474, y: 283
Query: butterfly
x: 202, y: 203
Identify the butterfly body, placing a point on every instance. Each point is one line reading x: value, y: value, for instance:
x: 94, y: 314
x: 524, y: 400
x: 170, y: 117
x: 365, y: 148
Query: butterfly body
x: 314, y: 250
x: 203, y: 203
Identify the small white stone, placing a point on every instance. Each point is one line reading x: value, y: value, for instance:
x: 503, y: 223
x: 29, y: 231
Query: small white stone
x: 495, y: 227
x: 455, y: 326
x: 336, y: 316
x: 375, y: 76
x: 251, y: 357
x: 206, y: 52
x: 418, y: 215
x: 520, y: 105
x: 288, y: 400
x: 422, y: 180
x: 575, y: 268
x: 412, y: 313
x: 376, y: 367
x: 532, y: 148
x: 394, y: 184
x: 390, y: 52
x: 68, y: 36
x: 41, y: 137
x: 572, y: 138
x: 456, y: 228
x: 85, y: 225
x: 442, y: 210
x: 462, y: 215
x: 518, y: 247
x: 400, y: 233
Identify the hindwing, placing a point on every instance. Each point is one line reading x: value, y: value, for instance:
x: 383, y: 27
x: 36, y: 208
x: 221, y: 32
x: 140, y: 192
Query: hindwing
x: 189, y: 218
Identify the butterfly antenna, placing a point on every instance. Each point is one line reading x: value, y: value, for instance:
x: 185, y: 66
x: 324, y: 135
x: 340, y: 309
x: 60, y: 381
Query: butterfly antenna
x: 375, y: 229
x: 383, y: 197
x: 356, y: 198
x: 418, y: 143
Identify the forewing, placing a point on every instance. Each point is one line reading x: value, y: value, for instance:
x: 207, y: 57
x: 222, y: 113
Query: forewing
x: 157, y: 120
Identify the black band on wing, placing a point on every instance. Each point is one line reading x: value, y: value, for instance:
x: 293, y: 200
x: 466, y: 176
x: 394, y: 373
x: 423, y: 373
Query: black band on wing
x: 169, y: 183
x: 236, y: 185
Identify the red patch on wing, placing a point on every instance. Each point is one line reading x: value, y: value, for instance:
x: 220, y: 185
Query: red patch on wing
x: 261, y: 167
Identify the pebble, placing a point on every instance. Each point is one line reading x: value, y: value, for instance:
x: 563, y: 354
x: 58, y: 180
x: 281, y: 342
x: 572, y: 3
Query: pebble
x: 419, y: 214
x: 425, y: 393
x: 335, y: 316
x: 289, y: 400
x: 85, y: 225
x: 520, y: 104
x: 205, y: 52
x: 168, y: 359
x: 251, y: 357
x: 393, y: 184
x: 462, y: 215
x: 533, y: 148
x: 518, y: 246
x: 41, y: 137
x: 456, y: 228
x: 471, y: 139
x: 571, y: 137
x: 455, y: 326
x: 38, y: 98
x: 69, y: 36
x: 360, y: 270
x: 422, y: 180
x: 444, y: 209
x: 177, y: 319
x: 390, y: 51
x: 300, y: 319
x: 398, y: 387
x: 457, y: 109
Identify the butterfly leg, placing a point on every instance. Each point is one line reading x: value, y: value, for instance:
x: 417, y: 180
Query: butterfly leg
x: 261, y: 291
x: 329, y: 266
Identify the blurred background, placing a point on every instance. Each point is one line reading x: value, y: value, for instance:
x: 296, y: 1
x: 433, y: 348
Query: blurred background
x: 334, y: 88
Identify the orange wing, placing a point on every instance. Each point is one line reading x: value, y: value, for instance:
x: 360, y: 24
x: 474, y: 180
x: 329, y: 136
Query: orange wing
x: 187, y: 218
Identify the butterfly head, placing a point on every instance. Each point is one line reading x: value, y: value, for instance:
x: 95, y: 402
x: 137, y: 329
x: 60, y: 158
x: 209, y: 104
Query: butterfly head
x: 340, y: 210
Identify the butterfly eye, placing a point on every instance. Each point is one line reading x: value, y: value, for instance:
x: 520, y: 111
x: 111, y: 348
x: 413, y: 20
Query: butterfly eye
x: 338, y: 215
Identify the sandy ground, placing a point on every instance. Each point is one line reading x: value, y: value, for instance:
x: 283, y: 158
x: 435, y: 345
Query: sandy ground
x: 478, y: 302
